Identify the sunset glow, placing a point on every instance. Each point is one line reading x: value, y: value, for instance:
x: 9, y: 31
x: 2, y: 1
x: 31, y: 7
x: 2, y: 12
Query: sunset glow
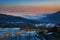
x: 29, y: 7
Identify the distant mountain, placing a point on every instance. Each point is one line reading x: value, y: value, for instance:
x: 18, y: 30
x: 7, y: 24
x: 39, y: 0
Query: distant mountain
x: 13, y: 19
x: 49, y: 18
x: 54, y: 18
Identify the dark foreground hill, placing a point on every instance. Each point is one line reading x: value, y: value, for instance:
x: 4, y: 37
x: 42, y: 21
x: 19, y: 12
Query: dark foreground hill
x: 14, y: 21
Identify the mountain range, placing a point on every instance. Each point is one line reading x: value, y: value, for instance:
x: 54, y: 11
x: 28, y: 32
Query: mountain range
x: 49, y: 18
x: 14, y: 19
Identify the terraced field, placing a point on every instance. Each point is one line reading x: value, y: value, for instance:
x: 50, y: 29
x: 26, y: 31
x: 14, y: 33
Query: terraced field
x: 29, y: 35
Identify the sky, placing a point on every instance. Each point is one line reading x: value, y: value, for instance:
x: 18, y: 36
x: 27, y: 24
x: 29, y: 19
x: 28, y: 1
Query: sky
x: 29, y: 7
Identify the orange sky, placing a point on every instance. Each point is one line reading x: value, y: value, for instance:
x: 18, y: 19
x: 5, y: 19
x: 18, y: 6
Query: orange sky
x: 29, y: 7
x: 31, y: 10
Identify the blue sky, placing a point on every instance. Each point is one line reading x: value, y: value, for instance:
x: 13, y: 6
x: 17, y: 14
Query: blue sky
x: 24, y: 1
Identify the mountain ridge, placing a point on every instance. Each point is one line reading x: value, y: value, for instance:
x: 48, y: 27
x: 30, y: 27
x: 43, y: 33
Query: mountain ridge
x: 49, y: 18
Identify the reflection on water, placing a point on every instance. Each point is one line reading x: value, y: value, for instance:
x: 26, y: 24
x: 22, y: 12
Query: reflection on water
x: 17, y: 34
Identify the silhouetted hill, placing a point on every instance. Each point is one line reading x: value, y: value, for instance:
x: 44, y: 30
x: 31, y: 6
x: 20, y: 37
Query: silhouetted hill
x: 49, y: 18
x: 8, y: 19
x: 54, y: 18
